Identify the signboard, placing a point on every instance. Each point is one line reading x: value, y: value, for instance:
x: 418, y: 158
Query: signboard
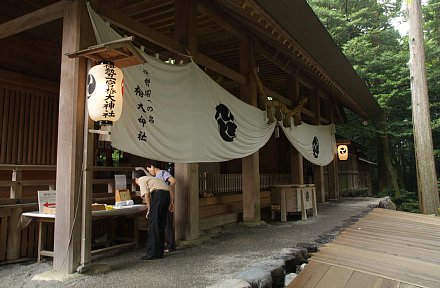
x: 120, y: 182
x: 46, y: 199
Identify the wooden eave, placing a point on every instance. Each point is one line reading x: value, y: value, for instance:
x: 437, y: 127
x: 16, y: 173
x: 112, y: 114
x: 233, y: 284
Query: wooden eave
x: 120, y: 52
x: 284, y: 46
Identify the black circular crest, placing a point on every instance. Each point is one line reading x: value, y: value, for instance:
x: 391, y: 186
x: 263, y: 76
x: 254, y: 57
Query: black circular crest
x: 315, y: 146
x: 226, y: 125
x: 91, y: 85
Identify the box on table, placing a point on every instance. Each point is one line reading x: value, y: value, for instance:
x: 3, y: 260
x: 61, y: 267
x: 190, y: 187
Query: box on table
x: 48, y: 210
x: 122, y: 195
x: 98, y: 207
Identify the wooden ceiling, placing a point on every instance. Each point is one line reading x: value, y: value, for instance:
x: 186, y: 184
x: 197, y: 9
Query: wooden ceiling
x: 220, y: 25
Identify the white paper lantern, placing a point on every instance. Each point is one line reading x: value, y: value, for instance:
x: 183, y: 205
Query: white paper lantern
x: 105, y: 88
x: 343, y: 152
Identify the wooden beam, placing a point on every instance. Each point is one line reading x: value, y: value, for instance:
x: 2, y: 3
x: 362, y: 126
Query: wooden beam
x: 32, y: 20
x: 149, y: 34
x: 136, y: 28
x: 32, y: 84
x: 221, y: 19
x: 221, y: 69
x: 277, y: 96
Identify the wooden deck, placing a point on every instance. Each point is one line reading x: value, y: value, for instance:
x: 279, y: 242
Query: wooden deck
x: 383, y: 249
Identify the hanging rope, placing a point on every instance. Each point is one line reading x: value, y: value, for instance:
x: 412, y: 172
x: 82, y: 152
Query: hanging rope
x: 274, y: 108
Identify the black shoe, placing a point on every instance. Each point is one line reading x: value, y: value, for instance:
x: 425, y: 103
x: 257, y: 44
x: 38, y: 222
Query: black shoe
x: 169, y: 250
x: 148, y: 257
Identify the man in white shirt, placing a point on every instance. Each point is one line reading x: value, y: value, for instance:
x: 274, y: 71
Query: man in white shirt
x: 156, y: 195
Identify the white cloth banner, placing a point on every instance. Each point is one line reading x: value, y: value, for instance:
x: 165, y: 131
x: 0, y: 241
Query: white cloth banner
x: 315, y: 143
x: 177, y: 113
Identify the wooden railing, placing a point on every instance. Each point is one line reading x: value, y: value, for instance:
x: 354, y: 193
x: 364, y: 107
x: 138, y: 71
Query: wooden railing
x: 214, y: 184
x: 19, y: 194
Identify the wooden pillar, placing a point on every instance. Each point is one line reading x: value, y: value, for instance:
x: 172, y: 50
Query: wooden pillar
x: 318, y: 170
x: 296, y: 159
x: 186, y: 200
x: 87, y: 177
x: 251, y: 163
x: 70, y: 140
x: 332, y: 169
x: 14, y: 236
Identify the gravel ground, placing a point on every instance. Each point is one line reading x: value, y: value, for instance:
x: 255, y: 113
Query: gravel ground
x: 220, y: 254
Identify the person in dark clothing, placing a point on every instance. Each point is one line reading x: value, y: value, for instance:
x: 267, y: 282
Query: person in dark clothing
x: 154, y: 170
x: 156, y: 195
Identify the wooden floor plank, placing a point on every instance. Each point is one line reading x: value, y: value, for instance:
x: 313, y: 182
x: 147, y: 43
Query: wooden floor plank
x: 361, y: 280
x: 384, y: 249
x: 310, y: 276
x: 335, y: 277
x: 386, y: 265
x: 402, y: 250
x: 386, y: 283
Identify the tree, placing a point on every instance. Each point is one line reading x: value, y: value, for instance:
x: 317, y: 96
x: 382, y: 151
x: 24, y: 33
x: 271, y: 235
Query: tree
x: 431, y: 14
x: 427, y: 184
x: 374, y: 48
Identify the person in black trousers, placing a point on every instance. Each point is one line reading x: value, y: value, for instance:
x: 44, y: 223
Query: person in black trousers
x: 154, y: 170
x: 156, y: 195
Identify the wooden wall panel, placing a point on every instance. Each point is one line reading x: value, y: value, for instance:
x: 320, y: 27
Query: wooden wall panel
x: 4, y: 132
x: 28, y: 127
x: 2, y: 116
x: 10, y: 132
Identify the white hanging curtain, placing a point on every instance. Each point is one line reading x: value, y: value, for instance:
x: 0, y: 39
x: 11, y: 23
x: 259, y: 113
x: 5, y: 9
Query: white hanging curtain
x: 177, y: 113
x: 315, y: 143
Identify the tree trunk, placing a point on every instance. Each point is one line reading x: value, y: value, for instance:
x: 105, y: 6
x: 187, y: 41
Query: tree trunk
x: 382, y: 175
x: 425, y: 167
x: 391, y: 171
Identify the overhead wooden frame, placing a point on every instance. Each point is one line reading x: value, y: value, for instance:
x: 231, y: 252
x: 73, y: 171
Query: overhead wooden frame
x: 121, y: 52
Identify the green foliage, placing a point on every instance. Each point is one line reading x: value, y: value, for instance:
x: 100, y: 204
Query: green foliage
x: 385, y: 192
x: 379, y: 54
x: 116, y: 156
x: 408, y: 201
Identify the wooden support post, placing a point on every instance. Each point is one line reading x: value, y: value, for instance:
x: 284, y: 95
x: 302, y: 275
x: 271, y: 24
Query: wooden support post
x: 185, y: 27
x: 296, y: 166
x: 296, y: 162
x: 40, y: 239
x: 302, y: 192
x: 70, y: 150
x: 314, y: 205
x: 186, y: 215
x: 250, y: 164
x: 319, y: 183
x: 87, y: 176
x: 283, y: 204
x: 318, y: 171
x: 14, y: 236
x: 332, y: 169
x: 333, y: 179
